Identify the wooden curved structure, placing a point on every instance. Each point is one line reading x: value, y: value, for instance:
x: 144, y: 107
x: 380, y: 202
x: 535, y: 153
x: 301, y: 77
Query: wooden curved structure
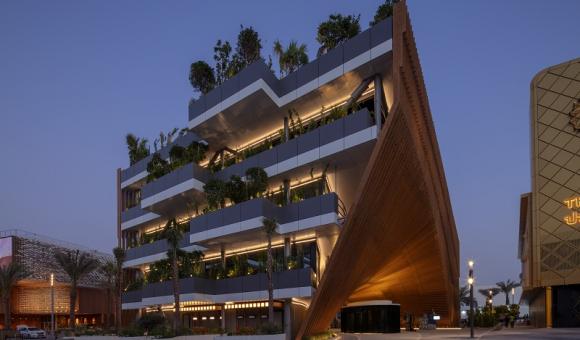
x: 399, y: 241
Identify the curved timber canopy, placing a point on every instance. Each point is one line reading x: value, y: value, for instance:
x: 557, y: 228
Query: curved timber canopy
x: 399, y: 241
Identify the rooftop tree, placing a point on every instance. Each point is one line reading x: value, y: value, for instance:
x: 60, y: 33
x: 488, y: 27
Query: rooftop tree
x: 201, y: 77
x: 291, y: 57
x: 384, y: 11
x: 137, y: 148
x: 223, y: 60
x: 249, y: 46
x: 336, y: 30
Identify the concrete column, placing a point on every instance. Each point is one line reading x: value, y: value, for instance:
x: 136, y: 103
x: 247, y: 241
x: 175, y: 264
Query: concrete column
x: 287, y: 197
x: 549, y: 307
x: 378, y: 102
x: 287, y: 251
x: 288, y: 318
x: 286, y: 130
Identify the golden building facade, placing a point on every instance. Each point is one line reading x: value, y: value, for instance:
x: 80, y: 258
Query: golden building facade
x: 550, y: 215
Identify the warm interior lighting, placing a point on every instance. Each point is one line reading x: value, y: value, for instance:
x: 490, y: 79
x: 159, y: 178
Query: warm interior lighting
x: 305, y: 118
x: 263, y: 246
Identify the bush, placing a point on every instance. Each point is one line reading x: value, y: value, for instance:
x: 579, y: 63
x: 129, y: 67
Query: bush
x: 157, y: 167
x: 256, y: 182
x: 215, y: 191
x: 216, y: 331
x: 150, y: 321
x: 199, y: 330
x: 236, y: 189
x: 162, y: 331
x: 246, y: 331
x: 131, y: 330
x: 270, y: 328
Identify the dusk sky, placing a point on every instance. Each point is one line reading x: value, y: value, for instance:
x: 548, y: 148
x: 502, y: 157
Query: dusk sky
x: 76, y: 77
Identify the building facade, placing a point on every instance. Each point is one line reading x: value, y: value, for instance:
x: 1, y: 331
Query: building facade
x: 549, y: 246
x: 320, y: 134
x: 31, y: 297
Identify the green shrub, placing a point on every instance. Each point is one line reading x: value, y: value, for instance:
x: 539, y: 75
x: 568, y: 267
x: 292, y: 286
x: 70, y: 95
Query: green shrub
x: 157, y: 167
x: 150, y: 321
x: 236, y: 189
x: 256, y: 182
x: 131, y: 330
x: 162, y: 331
x: 270, y: 328
x: 199, y: 330
x: 215, y: 190
x: 246, y: 331
x: 216, y: 331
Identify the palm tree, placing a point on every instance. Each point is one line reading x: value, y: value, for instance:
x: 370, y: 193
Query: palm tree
x: 464, y: 297
x: 270, y: 226
x: 291, y: 58
x: 137, y: 147
x: 488, y: 293
x: 506, y: 288
x: 109, y: 271
x: 9, y: 275
x: 76, y: 265
x: 173, y: 234
x: 120, y: 255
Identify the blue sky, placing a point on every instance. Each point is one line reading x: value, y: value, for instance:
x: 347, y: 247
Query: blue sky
x: 75, y: 77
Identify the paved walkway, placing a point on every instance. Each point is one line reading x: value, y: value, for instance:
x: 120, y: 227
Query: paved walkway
x: 485, y: 333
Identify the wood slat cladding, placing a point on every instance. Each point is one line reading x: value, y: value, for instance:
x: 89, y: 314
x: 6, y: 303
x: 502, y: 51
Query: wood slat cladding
x: 399, y: 241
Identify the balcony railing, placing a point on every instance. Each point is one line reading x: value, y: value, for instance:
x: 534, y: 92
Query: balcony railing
x: 153, y: 248
x: 217, y: 289
x: 248, y: 215
x: 305, y: 148
x: 188, y: 172
x: 322, y: 68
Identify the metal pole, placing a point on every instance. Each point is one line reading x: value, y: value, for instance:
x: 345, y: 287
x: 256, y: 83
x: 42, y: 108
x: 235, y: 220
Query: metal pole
x: 471, y: 312
x: 52, y: 304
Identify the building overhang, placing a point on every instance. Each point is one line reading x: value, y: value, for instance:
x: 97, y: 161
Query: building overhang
x: 399, y: 240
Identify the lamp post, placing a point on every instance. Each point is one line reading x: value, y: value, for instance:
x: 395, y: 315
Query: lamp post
x: 470, y: 281
x: 513, y: 296
x: 52, y: 304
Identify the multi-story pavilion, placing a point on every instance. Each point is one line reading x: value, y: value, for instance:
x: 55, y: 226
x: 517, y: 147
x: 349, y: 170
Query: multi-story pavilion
x: 355, y: 182
x: 31, y: 302
x: 549, y: 231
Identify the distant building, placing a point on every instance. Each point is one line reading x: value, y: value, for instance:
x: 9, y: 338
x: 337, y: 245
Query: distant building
x: 549, y: 231
x: 31, y: 297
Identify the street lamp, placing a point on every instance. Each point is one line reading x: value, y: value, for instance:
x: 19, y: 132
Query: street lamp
x: 470, y: 281
x: 52, y: 303
x: 513, y: 296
